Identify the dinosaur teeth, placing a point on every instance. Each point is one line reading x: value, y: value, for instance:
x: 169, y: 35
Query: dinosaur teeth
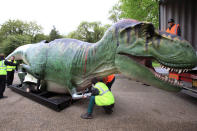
x: 185, y: 70
x: 180, y: 71
x: 165, y: 78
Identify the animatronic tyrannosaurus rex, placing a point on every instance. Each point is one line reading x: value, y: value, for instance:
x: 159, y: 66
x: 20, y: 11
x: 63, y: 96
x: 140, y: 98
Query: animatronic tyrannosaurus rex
x: 125, y: 48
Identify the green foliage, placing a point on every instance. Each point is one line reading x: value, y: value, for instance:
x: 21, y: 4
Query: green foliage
x: 14, y: 33
x: 142, y: 10
x: 40, y: 37
x: 14, y: 41
x: 17, y: 27
x: 89, y: 32
x: 115, y: 13
x: 54, y: 34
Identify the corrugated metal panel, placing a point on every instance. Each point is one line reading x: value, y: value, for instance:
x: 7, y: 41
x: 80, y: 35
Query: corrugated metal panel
x: 195, y: 26
x: 184, y: 12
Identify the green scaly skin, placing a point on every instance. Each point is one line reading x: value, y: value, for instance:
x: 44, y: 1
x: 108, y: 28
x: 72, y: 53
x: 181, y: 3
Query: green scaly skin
x: 124, y: 48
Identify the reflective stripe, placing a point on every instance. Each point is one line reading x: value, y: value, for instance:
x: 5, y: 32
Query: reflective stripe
x: 105, y: 96
x: 103, y: 92
x: 173, y: 29
x: 3, y: 68
x: 11, y: 68
x: 2, y: 63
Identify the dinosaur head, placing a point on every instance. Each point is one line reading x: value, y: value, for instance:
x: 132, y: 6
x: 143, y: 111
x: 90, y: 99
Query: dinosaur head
x: 138, y: 44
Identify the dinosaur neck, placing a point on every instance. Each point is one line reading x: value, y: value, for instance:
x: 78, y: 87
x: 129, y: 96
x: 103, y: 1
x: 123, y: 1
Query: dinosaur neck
x: 101, y: 56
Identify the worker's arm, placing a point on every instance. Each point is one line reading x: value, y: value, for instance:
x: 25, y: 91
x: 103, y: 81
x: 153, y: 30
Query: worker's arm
x: 95, y: 92
x: 9, y: 63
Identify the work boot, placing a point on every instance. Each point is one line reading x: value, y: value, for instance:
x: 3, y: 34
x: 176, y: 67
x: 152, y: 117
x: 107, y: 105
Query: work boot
x: 108, y: 109
x: 86, y: 116
x: 1, y: 97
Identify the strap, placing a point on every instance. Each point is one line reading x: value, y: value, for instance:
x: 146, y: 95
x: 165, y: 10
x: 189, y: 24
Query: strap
x: 176, y: 27
x: 103, y: 92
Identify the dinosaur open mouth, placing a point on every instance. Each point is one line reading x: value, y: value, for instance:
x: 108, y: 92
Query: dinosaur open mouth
x: 147, y: 62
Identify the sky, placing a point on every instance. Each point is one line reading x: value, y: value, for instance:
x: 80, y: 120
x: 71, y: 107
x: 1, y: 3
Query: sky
x: 65, y: 15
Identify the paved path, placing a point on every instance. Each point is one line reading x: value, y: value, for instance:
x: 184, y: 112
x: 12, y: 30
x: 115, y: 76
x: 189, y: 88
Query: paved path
x: 138, y: 108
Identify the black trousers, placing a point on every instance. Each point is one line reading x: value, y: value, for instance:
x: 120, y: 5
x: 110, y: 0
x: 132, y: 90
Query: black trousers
x: 2, y: 84
x: 108, y: 109
x: 10, y: 77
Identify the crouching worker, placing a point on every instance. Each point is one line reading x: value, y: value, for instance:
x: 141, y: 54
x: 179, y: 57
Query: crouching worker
x: 101, y: 96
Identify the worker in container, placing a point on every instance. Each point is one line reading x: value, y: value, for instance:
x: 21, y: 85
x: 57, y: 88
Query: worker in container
x: 173, y: 28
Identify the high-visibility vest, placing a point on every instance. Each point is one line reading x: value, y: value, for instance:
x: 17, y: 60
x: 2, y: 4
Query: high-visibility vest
x: 173, y: 29
x: 11, y: 68
x: 105, y: 96
x: 3, y: 70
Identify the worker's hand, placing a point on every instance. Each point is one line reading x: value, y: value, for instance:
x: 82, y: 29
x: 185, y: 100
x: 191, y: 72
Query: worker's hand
x: 84, y: 96
x: 21, y: 64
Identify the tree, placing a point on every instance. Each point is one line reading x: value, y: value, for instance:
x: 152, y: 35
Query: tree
x: 115, y: 13
x: 14, y: 33
x: 54, y: 34
x: 33, y: 29
x: 40, y: 37
x: 142, y: 10
x: 89, y: 32
x: 17, y: 27
x: 14, y: 41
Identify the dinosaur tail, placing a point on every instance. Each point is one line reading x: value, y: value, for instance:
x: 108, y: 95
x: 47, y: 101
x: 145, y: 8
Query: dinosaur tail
x: 18, y: 53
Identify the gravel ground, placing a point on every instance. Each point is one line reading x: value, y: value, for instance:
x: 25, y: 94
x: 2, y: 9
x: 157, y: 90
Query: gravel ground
x: 138, y: 108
